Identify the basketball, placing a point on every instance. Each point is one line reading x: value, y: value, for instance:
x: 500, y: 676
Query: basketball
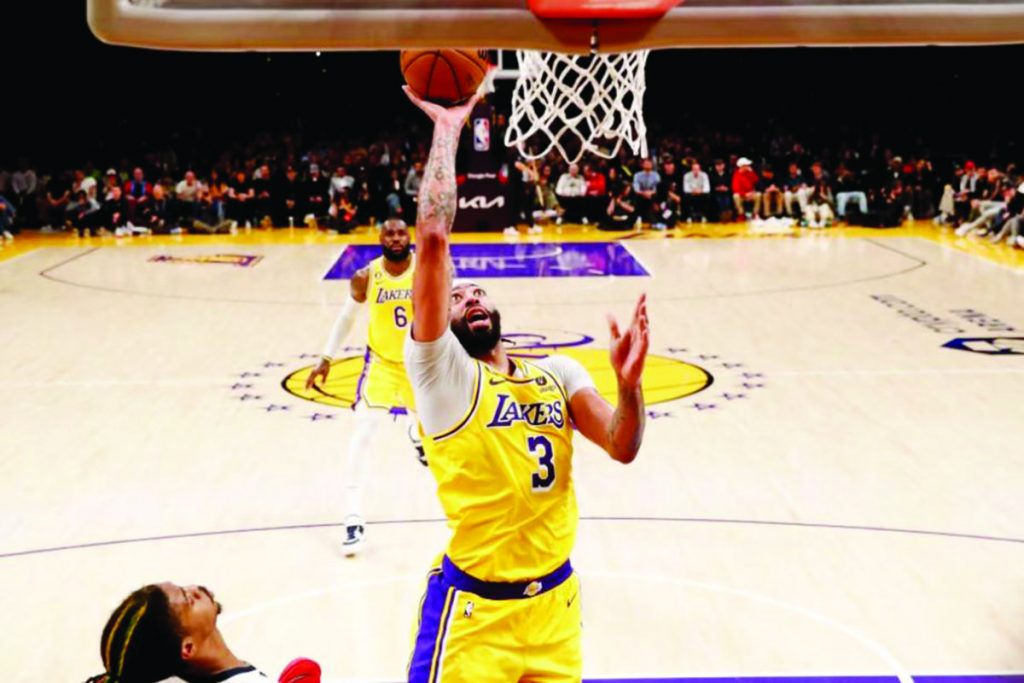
x: 446, y: 77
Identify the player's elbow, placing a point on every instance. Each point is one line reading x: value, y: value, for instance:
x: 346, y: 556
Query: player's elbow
x: 624, y: 454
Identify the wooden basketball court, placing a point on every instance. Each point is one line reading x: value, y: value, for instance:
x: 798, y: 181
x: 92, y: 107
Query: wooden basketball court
x: 830, y: 484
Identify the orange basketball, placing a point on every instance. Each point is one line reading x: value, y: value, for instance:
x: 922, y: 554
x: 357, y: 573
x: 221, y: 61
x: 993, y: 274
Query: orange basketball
x: 444, y: 76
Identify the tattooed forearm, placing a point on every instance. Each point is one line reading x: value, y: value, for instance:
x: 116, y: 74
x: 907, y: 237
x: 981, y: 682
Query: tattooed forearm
x: 626, y: 430
x: 437, y: 202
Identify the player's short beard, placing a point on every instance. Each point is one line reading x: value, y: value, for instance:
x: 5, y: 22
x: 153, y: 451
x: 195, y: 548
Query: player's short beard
x: 400, y: 256
x: 478, y: 343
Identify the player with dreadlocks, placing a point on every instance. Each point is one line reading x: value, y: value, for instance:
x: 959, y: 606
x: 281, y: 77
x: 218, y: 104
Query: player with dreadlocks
x: 163, y: 630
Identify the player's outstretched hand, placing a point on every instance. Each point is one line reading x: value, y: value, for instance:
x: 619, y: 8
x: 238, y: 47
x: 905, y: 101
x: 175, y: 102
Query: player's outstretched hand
x: 629, y: 348
x: 301, y: 670
x: 320, y: 371
x: 456, y: 114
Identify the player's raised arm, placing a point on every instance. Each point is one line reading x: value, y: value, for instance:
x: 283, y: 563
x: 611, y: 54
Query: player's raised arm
x: 435, y: 215
x: 619, y: 431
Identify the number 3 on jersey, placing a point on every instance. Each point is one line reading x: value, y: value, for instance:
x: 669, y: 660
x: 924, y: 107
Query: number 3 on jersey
x: 540, y: 447
x: 401, y: 320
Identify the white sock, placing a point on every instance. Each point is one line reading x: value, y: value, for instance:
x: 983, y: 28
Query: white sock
x: 357, y: 459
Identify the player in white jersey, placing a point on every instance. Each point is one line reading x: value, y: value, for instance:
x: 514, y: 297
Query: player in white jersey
x: 164, y: 630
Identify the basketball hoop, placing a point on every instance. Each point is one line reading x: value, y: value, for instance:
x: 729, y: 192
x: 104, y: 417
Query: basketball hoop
x: 578, y: 104
x: 582, y: 103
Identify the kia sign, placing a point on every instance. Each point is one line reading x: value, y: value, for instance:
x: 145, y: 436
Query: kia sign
x: 483, y: 203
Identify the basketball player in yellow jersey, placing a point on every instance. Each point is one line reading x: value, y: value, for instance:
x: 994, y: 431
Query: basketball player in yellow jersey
x: 386, y: 283
x: 502, y: 604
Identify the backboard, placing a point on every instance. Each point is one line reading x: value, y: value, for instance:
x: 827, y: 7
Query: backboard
x: 276, y: 25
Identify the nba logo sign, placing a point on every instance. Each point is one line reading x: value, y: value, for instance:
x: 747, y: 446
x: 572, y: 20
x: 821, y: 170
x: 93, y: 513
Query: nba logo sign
x: 481, y: 135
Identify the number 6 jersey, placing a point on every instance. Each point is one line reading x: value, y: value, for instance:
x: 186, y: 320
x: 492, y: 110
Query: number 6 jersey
x: 390, y: 300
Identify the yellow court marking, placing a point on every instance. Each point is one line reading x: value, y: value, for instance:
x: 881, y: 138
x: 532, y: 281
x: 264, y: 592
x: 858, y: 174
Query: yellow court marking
x: 981, y: 248
x: 20, y: 246
x: 665, y: 379
x: 975, y: 246
x: 340, y: 388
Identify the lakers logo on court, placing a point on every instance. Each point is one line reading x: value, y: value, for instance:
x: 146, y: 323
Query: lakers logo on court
x: 667, y: 378
x: 677, y: 380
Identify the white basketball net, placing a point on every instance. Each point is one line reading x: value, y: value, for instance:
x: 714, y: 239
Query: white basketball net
x: 578, y: 104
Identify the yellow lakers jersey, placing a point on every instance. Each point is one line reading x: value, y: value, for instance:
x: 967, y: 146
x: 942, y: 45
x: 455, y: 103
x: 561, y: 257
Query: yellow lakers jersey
x: 390, y: 300
x: 504, y: 476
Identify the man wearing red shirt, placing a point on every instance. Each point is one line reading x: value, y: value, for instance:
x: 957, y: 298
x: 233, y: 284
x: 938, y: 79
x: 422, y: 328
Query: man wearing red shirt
x: 597, y: 192
x: 744, y: 188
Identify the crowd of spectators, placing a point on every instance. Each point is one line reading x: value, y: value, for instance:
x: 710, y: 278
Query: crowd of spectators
x: 719, y: 178
x: 880, y: 189
x: 253, y: 194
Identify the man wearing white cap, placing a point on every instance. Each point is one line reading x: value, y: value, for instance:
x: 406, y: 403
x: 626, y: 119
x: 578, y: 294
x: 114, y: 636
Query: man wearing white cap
x: 744, y: 188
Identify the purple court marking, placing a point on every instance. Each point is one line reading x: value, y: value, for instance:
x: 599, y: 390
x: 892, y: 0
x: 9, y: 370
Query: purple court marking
x: 989, y: 346
x: 522, y: 342
x: 560, y: 259
x: 385, y: 522
x: 239, y: 260
x: 49, y: 274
